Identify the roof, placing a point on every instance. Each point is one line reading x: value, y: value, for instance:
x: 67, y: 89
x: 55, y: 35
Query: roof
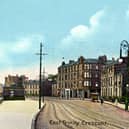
x: 31, y: 82
x: 110, y: 63
x: 89, y: 61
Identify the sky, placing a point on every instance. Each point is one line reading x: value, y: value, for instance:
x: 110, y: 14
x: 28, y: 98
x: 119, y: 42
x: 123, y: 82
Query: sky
x: 67, y: 28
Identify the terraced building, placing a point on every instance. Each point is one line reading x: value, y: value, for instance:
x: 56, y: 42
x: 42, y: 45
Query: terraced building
x: 80, y: 78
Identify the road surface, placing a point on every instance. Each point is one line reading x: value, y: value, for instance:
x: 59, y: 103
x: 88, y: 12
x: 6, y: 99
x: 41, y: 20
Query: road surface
x: 81, y: 114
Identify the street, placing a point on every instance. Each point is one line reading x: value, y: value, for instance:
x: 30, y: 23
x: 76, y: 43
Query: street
x: 17, y: 114
x: 81, y: 114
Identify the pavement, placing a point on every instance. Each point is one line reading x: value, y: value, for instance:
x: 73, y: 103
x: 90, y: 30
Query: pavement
x: 118, y: 105
x: 17, y: 114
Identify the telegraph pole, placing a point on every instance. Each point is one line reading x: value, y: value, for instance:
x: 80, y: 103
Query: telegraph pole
x: 40, y: 75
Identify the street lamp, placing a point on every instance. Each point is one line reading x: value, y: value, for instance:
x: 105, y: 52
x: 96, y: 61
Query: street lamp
x: 125, y: 45
x: 96, y: 85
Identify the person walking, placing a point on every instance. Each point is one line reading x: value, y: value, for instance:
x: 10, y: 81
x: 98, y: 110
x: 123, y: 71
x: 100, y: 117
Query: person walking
x: 116, y: 102
x: 101, y: 101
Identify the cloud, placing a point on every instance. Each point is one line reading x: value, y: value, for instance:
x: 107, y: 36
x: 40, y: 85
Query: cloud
x: 81, y: 32
x: 21, y: 45
x: 2, y: 54
x: 127, y: 13
x: 24, y: 44
x: 18, y: 56
x: 4, y: 59
x: 19, y: 50
x: 95, y: 19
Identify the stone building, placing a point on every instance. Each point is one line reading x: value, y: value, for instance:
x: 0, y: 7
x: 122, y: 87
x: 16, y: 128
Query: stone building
x: 14, y: 87
x: 55, y: 89
x: 31, y: 87
x: 14, y: 80
x: 80, y: 78
x: 114, y: 79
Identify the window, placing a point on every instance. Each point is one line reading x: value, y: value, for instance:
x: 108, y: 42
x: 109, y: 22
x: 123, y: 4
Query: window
x: 65, y: 70
x: 65, y: 85
x: 87, y: 74
x: 96, y: 75
x: 80, y: 82
x: 73, y: 68
x: 96, y: 84
x: 76, y: 67
x: 111, y: 81
x: 96, y: 67
x: 71, y: 76
x: 90, y: 66
x: 65, y: 77
x: 86, y: 83
x: 87, y: 66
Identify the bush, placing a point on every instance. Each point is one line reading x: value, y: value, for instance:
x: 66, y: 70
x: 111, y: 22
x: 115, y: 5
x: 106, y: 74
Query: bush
x: 109, y: 98
x: 104, y: 97
x: 121, y: 99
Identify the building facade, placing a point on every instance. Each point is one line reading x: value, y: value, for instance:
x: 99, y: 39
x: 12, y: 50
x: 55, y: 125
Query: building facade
x: 31, y: 87
x: 55, y: 92
x: 114, y: 79
x: 80, y: 78
x: 55, y: 88
x: 13, y: 88
x: 14, y: 80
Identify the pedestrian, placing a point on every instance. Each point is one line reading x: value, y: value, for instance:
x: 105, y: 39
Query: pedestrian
x: 116, y: 102
x: 101, y: 100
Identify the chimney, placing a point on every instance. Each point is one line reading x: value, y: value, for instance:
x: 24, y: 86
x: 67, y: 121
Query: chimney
x: 113, y: 59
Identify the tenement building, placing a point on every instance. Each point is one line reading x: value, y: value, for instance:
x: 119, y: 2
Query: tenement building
x: 80, y: 78
x: 114, y: 79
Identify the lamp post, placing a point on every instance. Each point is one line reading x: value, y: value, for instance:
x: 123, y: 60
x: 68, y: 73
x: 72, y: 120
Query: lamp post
x: 125, y: 45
